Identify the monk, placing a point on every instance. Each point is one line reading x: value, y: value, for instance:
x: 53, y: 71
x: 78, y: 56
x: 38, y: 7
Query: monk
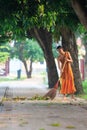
x: 67, y: 78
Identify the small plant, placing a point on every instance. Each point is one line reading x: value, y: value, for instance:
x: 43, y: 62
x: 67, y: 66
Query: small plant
x: 84, y: 95
x: 37, y: 97
x: 23, y: 123
x: 41, y: 129
x: 70, y: 127
x: 55, y: 124
x: 19, y: 98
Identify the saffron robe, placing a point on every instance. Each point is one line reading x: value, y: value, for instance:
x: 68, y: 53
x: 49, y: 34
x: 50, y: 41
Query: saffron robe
x: 67, y: 78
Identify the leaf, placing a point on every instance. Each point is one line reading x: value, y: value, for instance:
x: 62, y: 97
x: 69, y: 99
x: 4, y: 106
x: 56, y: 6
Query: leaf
x: 55, y: 124
x: 70, y: 127
x: 41, y: 129
x: 23, y: 123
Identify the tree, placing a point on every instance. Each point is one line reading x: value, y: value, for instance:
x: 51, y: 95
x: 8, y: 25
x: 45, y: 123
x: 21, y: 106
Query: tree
x: 69, y: 28
x: 80, y: 7
x: 27, y: 50
x: 4, y: 59
x: 39, y: 19
x: 72, y: 47
x: 44, y: 39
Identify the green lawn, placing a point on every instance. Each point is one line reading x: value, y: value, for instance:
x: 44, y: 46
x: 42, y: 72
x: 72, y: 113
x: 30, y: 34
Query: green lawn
x: 10, y: 79
x: 84, y: 83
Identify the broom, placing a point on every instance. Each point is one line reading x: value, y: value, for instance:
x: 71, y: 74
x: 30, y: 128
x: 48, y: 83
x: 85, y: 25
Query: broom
x: 52, y: 93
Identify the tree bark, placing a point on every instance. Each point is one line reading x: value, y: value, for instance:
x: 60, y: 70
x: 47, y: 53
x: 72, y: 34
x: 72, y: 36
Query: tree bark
x: 69, y: 43
x: 80, y: 7
x: 44, y: 39
x: 28, y: 72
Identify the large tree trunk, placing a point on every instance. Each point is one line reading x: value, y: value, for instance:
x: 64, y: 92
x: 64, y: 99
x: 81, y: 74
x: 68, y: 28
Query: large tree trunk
x: 44, y: 39
x: 69, y: 43
x: 80, y: 7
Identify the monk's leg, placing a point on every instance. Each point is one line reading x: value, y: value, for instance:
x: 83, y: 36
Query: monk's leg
x: 73, y: 96
x: 64, y: 97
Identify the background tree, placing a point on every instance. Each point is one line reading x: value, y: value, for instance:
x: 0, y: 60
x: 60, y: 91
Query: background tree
x: 28, y: 51
x: 4, y: 59
x: 82, y: 33
x: 4, y: 53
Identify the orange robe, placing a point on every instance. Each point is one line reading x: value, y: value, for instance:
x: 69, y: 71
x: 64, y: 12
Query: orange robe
x: 67, y: 78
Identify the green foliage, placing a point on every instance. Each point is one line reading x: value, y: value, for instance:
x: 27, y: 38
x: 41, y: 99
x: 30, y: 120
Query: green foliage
x: 38, y: 97
x: 41, y: 129
x: 3, y: 56
x: 81, y: 31
x: 65, y: 15
x: 85, y: 86
x: 28, y: 49
x: 4, y: 53
x: 84, y: 95
x: 20, y: 16
x: 70, y: 127
x: 55, y: 124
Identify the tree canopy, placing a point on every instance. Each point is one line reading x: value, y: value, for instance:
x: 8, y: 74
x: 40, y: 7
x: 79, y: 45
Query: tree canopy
x: 29, y: 50
x: 4, y: 53
x: 17, y: 17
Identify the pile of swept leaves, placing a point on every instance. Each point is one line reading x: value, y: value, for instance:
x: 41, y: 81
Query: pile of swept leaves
x: 35, y: 97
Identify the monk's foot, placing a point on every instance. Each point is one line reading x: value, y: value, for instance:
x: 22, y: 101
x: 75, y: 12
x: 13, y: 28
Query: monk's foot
x: 65, y: 98
x: 73, y: 97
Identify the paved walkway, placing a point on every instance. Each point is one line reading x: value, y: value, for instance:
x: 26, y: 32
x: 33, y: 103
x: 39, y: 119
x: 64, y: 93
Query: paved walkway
x: 37, y: 114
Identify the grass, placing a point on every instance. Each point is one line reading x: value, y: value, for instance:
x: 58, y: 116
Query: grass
x: 41, y: 129
x: 85, y: 86
x: 10, y: 79
x: 84, y: 96
x: 55, y: 124
x: 23, y: 77
x: 70, y: 127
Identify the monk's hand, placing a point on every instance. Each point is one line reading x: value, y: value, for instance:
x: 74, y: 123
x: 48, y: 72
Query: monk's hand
x: 66, y: 59
x: 61, y: 71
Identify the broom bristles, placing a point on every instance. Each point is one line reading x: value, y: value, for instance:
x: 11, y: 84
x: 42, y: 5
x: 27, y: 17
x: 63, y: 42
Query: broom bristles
x: 52, y: 93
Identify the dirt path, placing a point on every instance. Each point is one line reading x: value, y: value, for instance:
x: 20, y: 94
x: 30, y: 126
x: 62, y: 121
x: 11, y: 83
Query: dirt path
x: 37, y: 114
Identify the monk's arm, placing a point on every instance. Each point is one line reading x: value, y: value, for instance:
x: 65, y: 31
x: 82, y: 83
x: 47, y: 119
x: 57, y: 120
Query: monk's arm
x: 70, y: 58
x: 59, y: 64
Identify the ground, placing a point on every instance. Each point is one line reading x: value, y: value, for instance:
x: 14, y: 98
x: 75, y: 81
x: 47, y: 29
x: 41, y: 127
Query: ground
x: 29, y: 114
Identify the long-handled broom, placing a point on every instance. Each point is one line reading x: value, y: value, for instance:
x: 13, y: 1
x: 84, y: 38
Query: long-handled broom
x: 52, y: 93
